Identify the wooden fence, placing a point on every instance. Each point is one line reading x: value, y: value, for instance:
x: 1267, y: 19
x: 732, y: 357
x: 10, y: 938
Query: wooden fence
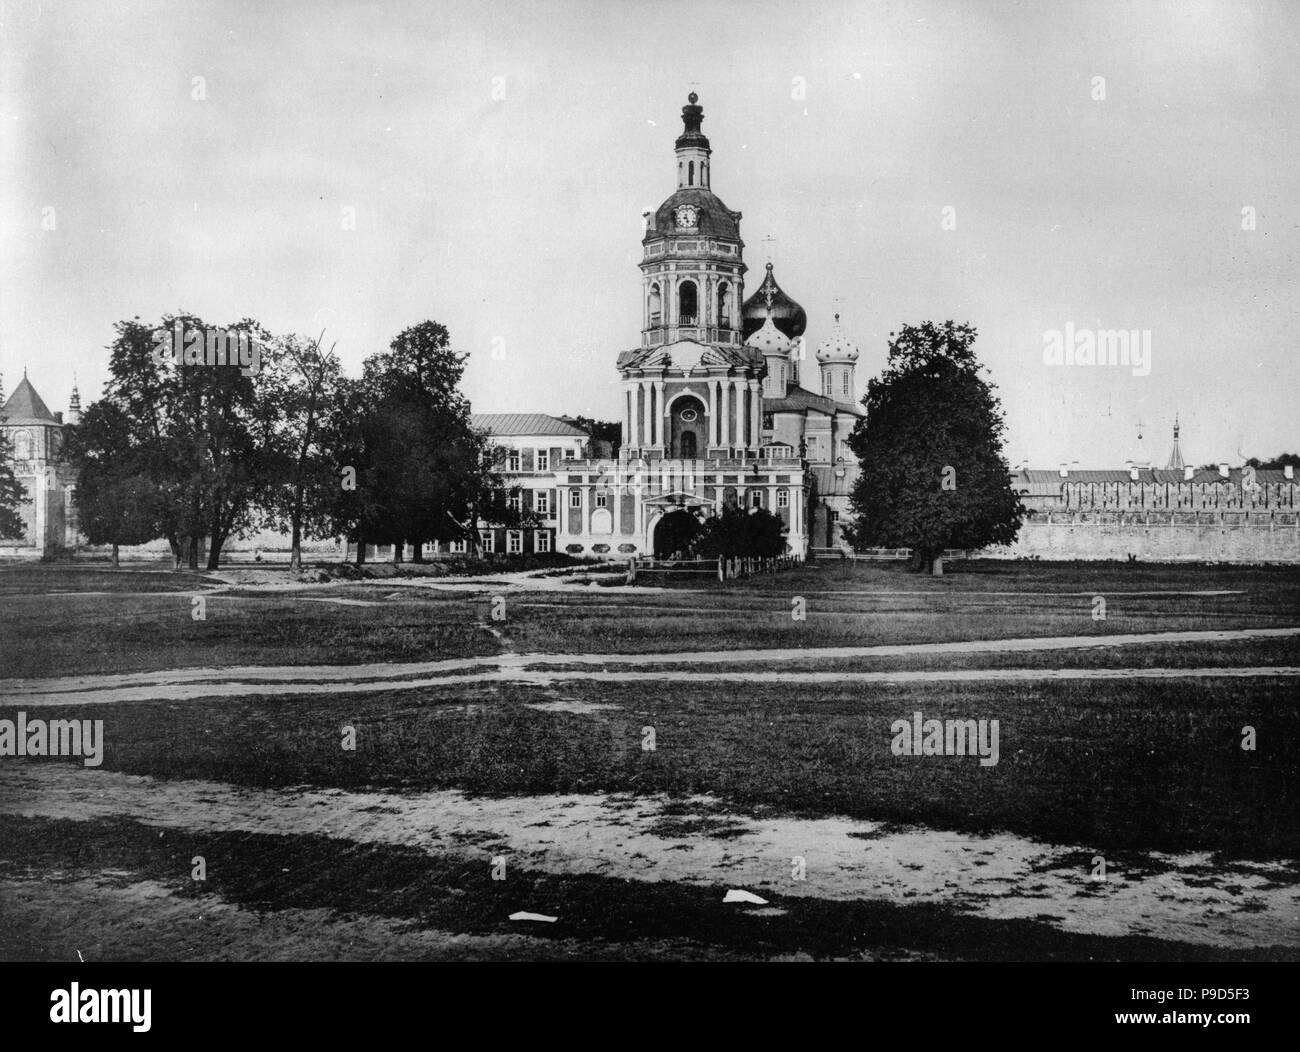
x: 721, y: 568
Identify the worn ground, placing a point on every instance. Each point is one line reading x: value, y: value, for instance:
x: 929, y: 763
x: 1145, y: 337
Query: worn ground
x: 619, y: 758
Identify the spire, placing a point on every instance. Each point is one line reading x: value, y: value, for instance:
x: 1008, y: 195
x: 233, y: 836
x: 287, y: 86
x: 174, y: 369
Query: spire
x: 1175, y: 455
x: 74, y: 403
x: 692, y: 147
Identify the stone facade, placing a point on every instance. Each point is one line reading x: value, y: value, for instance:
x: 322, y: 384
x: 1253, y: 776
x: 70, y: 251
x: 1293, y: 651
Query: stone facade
x: 37, y: 439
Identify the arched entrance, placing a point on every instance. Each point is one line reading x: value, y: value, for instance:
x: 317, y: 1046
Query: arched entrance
x: 689, y: 428
x: 674, y: 533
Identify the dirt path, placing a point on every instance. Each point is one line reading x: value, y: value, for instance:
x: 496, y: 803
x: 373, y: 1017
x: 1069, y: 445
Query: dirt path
x: 1185, y: 897
x: 183, y: 684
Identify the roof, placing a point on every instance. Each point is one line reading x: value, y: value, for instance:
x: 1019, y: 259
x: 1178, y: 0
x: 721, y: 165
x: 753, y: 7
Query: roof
x: 830, y: 486
x: 714, y: 219
x: 525, y: 424
x: 799, y: 400
x: 26, y: 407
x: 1263, y: 476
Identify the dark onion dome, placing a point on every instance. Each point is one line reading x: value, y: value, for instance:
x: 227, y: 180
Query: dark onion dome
x: 713, y: 218
x: 787, y: 315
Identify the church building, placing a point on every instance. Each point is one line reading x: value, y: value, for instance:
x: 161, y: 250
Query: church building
x: 711, y: 406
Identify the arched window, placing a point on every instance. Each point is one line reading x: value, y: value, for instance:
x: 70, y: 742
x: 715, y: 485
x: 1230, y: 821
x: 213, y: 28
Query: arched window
x: 690, y: 174
x: 23, y: 445
x: 724, y: 305
x: 688, y: 307
x: 656, y: 305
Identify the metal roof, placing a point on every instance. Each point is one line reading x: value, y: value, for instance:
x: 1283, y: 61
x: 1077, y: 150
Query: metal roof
x: 26, y: 407
x: 525, y: 424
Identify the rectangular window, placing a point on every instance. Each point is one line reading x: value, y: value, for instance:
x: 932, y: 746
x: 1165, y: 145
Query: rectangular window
x: 543, y: 460
x: 783, y: 498
x: 542, y: 541
x: 512, y: 460
x: 835, y: 516
x: 756, y: 498
x: 602, y: 498
x: 570, y: 454
x: 513, y: 502
x: 488, y: 539
x: 458, y: 547
x: 575, y: 498
x: 514, y: 542
x: 543, y: 502
x: 845, y: 384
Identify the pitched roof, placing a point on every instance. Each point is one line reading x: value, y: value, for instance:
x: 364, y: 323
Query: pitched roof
x: 525, y: 424
x: 26, y: 407
x: 797, y: 400
x: 828, y: 485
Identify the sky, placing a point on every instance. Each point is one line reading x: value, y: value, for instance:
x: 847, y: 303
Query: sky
x: 897, y: 162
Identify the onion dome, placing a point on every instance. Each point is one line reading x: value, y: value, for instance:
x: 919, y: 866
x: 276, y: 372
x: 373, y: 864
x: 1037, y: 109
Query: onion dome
x: 837, y: 347
x: 786, y: 315
x: 769, y: 340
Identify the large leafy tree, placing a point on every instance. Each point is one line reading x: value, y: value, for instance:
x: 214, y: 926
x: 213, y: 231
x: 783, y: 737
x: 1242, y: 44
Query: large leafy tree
x: 422, y: 471
x: 933, y: 472
x: 117, y: 502
x: 206, y: 435
x: 303, y: 381
x: 12, y: 493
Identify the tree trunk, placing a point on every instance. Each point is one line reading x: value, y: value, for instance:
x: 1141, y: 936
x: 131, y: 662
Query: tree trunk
x: 919, y: 560
x: 361, y: 548
x: 295, y: 550
x: 214, y: 553
x: 114, y: 556
x: 417, y: 551
x: 397, y: 551
x: 192, y: 555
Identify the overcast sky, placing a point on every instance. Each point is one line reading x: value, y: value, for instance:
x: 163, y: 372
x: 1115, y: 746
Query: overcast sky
x: 518, y: 219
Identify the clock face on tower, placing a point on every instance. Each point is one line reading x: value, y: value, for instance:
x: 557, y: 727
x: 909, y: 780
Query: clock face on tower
x: 687, y: 216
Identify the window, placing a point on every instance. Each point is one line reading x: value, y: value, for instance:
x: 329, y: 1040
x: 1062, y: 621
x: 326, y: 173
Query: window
x: 835, y: 516
x: 514, y: 542
x: 513, y: 501
x: 541, y: 541
x: 575, y: 498
x: 602, y: 498
x: 570, y: 454
x: 457, y: 547
x: 542, y: 502
x: 845, y: 383
x: 724, y: 309
x: 543, y: 460
x: 826, y: 384
x: 656, y: 306
x: 756, y: 498
x: 783, y: 498
x: 690, y: 173
x: 688, y: 304
x: 512, y: 460
x: 488, y: 539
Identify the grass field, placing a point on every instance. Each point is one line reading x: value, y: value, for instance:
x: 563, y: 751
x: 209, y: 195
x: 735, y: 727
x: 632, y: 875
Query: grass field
x: 535, y: 759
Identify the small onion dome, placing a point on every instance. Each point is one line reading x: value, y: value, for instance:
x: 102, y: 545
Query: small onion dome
x: 836, y: 347
x: 769, y: 340
x: 786, y: 315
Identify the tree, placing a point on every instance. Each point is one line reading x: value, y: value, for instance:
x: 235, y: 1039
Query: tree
x: 601, y: 431
x: 933, y: 472
x: 737, y: 533
x: 12, y: 494
x: 304, y: 382
x: 1276, y: 463
x: 206, y: 435
x: 422, y: 470
x: 117, y: 503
